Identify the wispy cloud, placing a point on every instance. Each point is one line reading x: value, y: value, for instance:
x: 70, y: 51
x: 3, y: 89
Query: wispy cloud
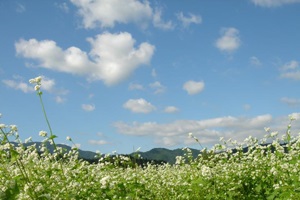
x: 157, y: 87
x: 208, y: 131
x: 188, y: 20
x: 273, y: 3
x: 255, y: 61
x: 135, y: 86
x: 290, y: 70
x: 292, y: 102
x: 18, y: 85
x: 20, y: 8
x: 139, y: 106
x: 63, y: 6
x: 193, y: 87
x: 171, y: 109
x: 229, y: 40
x: 159, y: 23
x: 113, y: 56
x: 98, y: 142
x: 88, y: 107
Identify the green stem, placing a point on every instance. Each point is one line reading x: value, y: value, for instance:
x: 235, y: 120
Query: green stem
x: 48, y: 123
x: 50, y: 129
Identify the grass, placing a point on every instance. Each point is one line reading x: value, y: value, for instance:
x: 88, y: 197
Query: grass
x: 268, y: 171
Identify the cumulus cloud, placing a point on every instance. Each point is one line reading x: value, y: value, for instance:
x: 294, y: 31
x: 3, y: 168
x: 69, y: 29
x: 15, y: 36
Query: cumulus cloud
x: 292, y: 102
x: 105, y: 13
x: 171, y: 109
x: 273, y: 3
x: 229, y: 40
x: 112, y: 58
x: 88, y: 107
x: 188, y: 20
x: 290, y: 70
x: 208, y: 131
x: 139, y: 106
x: 193, y: 87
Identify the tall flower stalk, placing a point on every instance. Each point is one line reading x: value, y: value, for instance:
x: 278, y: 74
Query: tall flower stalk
x: 38, y: 83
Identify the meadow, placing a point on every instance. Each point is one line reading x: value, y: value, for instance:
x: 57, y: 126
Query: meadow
x: 269, y: 169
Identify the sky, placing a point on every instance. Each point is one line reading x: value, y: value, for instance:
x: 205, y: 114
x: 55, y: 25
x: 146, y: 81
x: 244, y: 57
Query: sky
x: 119, y: 75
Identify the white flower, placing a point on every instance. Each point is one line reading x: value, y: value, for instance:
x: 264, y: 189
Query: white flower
x: 43, y: 133
x: 274, y: 133
x: 104, y: 180
x: 31, y: 81
x: 2, y: 126
x: 267, y: 129
x: 190, y: 135
x: 38, y: 79
x: 28, y: 140
x: 68, y: 138
x: 13, y: 128
x: 37, y: 87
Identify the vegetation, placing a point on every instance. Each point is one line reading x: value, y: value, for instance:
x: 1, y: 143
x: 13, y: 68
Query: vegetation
x: 268, y: 171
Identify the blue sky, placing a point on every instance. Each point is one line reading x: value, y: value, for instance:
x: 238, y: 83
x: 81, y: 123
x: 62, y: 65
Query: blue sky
x: 123, y: 74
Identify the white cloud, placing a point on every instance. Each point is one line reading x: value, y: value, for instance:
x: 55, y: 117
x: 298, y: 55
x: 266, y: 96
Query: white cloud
x: 229, y: 41
x: 191, y: 19
x: 159, y: 23
x: 135, y: 86
x: 255, y: 61
x: 18, y: 85
x: 59, y: 99
x: 193, y: 87
x: 273, y: 3
x: 106, y: 13
x: 208, y: 131
x: 88, y: 107
x: 171, y: 109
x: 158, y: 87
x: 139, y: 106
x: 290, y: 70
x: 290, y: 65
x: 63, y: 6
x: 111, y: 59
x: 290, y: 101
x: 97, y: 142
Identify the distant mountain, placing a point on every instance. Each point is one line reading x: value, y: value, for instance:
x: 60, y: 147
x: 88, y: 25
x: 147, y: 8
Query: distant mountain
x: 157, y: 155
x: 166, y: 155
x: 86, y: 155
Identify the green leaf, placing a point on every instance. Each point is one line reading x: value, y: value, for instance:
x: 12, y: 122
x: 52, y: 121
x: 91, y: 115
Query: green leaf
x: 14, y: 155
x: 52, y: 137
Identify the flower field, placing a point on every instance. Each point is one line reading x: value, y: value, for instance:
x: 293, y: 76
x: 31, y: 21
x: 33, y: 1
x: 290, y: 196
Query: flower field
x: 265, y: 171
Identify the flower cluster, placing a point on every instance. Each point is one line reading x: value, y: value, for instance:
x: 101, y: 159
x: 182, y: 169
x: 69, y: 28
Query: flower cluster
x: 38, y: 82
